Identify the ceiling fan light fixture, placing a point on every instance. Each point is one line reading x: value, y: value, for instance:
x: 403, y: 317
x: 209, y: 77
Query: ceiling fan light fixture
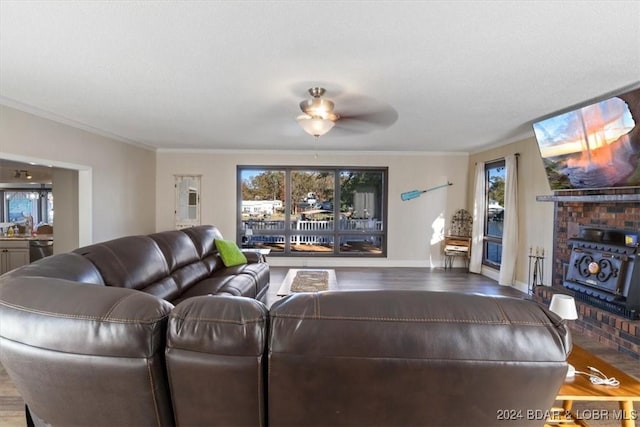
x: 318, y: 117
x: 318, y: 107
x: 315, y: 125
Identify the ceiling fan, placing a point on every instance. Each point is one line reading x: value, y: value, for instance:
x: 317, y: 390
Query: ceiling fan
x: 360, y: 114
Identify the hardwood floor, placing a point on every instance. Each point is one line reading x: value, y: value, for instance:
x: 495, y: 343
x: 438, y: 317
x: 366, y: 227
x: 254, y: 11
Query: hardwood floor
x: 457, y: 279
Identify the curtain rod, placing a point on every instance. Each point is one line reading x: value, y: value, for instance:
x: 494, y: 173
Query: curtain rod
x: 501, y: 158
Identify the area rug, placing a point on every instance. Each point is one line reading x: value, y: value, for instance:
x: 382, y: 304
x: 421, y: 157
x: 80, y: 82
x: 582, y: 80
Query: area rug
x: 310, y: 281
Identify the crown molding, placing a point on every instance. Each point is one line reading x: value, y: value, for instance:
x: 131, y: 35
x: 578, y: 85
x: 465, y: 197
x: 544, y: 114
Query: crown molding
x: 38, y: 112
x: 317, y: 153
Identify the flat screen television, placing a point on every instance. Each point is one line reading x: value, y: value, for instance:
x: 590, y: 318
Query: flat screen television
x: 597, y: 146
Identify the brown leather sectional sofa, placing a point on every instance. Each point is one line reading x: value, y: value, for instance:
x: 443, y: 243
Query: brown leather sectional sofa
x: 148, y: 349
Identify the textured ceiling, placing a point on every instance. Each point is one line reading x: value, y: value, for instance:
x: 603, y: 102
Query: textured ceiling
x: 450, y: 76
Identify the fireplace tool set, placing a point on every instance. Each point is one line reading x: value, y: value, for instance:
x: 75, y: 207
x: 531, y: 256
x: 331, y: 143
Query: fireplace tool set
x: 537, y: 261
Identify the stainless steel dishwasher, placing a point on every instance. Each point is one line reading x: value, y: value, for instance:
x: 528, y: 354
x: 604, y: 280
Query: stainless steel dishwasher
x: 39, y: 249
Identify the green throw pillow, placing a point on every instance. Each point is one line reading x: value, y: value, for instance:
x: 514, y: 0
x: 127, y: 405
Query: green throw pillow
x: 230, y: 253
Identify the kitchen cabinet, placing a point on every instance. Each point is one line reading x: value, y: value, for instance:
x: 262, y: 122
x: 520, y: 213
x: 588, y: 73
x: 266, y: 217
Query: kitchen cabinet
x: 13, y: 254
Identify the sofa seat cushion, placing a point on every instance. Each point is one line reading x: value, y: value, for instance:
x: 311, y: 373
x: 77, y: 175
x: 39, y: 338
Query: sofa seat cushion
x: 188, y: 276
x: 209, y: 286
x: 242, y: 285
x: 165, y: 288
x: 259, y: 272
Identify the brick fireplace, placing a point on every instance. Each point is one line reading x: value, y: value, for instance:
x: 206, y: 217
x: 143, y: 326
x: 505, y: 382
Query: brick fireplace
x: 613, y: 209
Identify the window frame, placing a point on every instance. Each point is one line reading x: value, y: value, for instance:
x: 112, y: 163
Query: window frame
x: 336, y: 232
x: 490, y: 239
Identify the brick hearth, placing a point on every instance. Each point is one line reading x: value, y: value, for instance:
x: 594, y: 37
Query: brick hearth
x: 607, y: 328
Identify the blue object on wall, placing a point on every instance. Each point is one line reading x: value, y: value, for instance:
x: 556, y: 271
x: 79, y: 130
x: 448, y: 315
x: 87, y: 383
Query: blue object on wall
x: 408, y: 195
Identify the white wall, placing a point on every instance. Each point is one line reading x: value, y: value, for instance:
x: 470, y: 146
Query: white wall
x: 66, y: 213
x: 118, y: 178
x: 535, y: 218
x: 415, y: 227
x: 129, y: 190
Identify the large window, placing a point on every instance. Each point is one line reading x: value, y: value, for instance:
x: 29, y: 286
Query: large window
x: 494, y: 175
x: 20, y: 203
x: 312, y: 210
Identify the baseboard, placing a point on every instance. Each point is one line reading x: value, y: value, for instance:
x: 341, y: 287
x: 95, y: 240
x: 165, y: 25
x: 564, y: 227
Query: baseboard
x: 322, y: 262
x: 521, y: 286
x: 490, y: 273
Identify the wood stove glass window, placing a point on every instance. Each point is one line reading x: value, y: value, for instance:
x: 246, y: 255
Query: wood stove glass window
x: 494, y: 213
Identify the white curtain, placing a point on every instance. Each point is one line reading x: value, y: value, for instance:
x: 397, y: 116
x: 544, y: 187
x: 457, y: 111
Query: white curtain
x: 510, y: 230
x: 477, y: 234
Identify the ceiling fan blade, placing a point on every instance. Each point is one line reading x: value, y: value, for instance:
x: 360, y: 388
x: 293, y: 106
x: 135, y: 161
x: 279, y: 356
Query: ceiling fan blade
x: 364, y: 114
x: 382, y: 118
x: 368, y: 122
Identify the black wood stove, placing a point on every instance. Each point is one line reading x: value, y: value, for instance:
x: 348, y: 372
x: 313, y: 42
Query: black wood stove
x: 604, y: 270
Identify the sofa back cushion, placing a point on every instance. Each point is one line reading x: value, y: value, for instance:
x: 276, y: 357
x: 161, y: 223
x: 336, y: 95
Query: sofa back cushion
x: 203, y: 237
x: 164, y: 264
x: 134, y: 262
x: 215, y: 360
x: 410, y: 357
x: 67, y: 266
x: 185, y: 266
x: 177, y: 248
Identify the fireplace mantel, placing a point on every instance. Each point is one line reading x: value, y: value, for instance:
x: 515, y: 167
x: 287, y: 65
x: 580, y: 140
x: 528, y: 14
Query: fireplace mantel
x: 590, y: 198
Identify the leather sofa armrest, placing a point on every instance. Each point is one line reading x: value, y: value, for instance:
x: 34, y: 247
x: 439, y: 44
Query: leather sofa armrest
x: 60, y: 338
x: 253, y: 257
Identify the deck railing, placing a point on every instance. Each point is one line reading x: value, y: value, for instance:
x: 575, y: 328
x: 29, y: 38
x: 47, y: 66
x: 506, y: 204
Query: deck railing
x: 306, y: 226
